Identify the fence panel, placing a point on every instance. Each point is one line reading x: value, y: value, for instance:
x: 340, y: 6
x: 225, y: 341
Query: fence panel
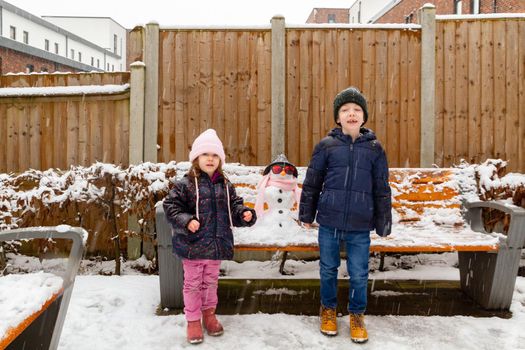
x: 215, y: 79
x: 479, y: 109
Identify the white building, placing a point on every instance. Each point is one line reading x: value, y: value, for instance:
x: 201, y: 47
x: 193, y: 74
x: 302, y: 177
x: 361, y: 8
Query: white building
x: 102, y: 31
x: 30, y: 35
x: 363, y: 11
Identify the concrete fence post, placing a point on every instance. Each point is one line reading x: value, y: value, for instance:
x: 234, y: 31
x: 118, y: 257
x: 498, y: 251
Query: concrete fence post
x: 136, y: 113
x: 151, y: 109
x: 427, y: 18
x: 278, y: 85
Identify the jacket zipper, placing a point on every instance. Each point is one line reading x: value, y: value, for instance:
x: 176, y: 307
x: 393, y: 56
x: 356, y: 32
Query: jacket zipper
x: 348, y: 184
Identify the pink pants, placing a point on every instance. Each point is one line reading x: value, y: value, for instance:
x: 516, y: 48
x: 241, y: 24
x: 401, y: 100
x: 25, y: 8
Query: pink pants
x: 200, y: 286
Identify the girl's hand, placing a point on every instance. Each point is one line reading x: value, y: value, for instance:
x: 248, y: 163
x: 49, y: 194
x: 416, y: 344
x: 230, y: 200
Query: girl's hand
x: 247, y: 216
x: 193, y: 226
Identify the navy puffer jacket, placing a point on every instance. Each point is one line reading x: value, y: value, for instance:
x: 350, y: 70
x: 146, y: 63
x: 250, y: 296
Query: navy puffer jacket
x: 346, y: 184
x: 214, y: 239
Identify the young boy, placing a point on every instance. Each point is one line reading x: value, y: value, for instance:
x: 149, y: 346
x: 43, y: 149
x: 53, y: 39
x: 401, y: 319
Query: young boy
x: 346, y: 191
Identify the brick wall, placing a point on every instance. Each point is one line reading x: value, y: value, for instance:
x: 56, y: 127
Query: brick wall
x: 320, y: 15
x: 409, y: 8
x: 14, y: 62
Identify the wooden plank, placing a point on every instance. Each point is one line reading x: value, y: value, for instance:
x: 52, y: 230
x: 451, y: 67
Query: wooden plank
x: 23, y: 138
x: 241, y: 146
x: 205, y: 79
x: 356, y: 59
x: 34, y: 137
x: 265, y: 101
x: 12, y: 144
x: 332, y: 87
x: 108, y: 119
x: 449, y: 92
x: 512, y: 95
x: 218, y: 78
x: 3, y: 136
x: 230, y: 92
x: 316, y: 85
x: 181, y: 102
x: 342, y: 68
x: 326, y: 119
x: 500, y: 91
x: 474, y: 92
x: 72, y: 132
x: 521, y: 103
x: 414, y: 102
x: 122, y: 131
x: 440, y: 84
x: 193, y: 86
x: 166, y: 134
x: 392, y: 106
x: 83, y: 134
x: 95, y: 127
x: 368, y: 78
x: 305, y: 86
x: 461, y: 100
x: 487, y: 91
x: 47, y: 125
x: 380, y: 248
x: 293, y: 58
x: 405, y: 143
x: 59, y: 112
x: 381, y: 89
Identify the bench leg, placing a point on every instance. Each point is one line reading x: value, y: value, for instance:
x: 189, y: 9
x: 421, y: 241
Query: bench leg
x: 171, y: 274
x: 489, y: 278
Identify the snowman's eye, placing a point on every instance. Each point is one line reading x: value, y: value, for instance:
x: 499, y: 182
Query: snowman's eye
x: 276, y: 169
x: 289, y: 170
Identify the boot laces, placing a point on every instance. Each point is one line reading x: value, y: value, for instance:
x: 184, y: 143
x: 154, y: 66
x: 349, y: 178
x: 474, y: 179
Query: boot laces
x: 358, y: 321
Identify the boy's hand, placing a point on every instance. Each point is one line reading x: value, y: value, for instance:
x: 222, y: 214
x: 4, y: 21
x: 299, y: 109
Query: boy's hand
x: 194, y: 225
x: 247, y: 216
x: 307, y: 225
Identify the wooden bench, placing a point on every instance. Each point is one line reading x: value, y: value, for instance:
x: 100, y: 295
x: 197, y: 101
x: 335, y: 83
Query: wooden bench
x: 431, y: 213
x: 41, y: 328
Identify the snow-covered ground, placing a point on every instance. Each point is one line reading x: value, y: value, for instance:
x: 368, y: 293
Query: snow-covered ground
x: 110, y: 312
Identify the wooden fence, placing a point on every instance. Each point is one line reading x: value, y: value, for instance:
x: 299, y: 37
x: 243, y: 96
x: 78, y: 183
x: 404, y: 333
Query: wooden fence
x: 58, y: 131
x: 222, y: 78
x: 480, y: 91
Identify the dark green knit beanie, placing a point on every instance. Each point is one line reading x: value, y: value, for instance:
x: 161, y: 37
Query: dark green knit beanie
x: 350, y: 94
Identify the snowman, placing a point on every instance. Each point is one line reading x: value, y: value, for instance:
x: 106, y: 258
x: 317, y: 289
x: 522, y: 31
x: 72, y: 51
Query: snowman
x: 277, y: 194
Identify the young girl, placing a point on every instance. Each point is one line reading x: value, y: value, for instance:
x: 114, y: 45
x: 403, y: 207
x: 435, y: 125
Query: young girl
x: 202, y: 208
x: 346, y: 191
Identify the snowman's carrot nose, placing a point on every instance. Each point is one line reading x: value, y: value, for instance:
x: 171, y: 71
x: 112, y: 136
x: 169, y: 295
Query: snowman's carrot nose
x: 283, y: 173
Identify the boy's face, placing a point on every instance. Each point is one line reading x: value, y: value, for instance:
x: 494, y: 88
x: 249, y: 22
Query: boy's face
x: 351, y: 117
x: 209, y: 162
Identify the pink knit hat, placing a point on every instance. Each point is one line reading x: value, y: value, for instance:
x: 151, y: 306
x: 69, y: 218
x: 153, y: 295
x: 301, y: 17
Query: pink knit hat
x: 207, y: 142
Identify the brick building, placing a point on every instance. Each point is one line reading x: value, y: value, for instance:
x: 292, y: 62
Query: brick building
x: 405, y: 11
x: 31, y: 44
x: 328, y: 15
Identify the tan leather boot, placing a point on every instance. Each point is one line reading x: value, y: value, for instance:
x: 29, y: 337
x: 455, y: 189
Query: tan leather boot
x: 328, y: 318
x: 358, y: 331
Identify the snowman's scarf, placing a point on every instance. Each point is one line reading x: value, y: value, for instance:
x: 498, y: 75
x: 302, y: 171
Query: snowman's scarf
x: 285, y: 185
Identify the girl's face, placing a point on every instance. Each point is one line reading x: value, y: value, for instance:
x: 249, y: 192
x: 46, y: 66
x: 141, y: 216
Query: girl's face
x: 351, y: 117
x: 209, y: 162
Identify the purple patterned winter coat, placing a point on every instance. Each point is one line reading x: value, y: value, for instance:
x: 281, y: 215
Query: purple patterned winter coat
x: 214, y: 239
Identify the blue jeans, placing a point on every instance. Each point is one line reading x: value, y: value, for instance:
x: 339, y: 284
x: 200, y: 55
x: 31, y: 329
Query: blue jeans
x: 357, y: 249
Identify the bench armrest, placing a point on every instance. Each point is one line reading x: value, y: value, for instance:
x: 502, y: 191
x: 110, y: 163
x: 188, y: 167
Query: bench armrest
x: 77, y: 235
x: 516, y: 234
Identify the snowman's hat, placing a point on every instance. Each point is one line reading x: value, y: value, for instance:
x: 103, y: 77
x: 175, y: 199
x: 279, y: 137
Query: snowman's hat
x: 280, y: 160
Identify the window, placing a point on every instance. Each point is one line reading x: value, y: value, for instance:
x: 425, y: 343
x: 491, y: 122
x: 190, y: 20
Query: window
x: 56, y: 48
x: 112, y: 67
x: 458, y: 4
x: 331, y: 18
x: 46, y: 44
x: 30, y: 68
x: 98, y: 63
x: 12, y: 32
x: 92, y: 61
x: 72, y: 54
x: 474, y: 7
x: 409, y: 18
x: 25, y: 36
x: 114, y: 43
x: 107, y: 67
x: 44, y: 69
x: 79, y: 56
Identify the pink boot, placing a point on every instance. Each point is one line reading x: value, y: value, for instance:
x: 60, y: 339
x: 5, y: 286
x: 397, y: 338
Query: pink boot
x: 211, y: 324
x: 194, y: 332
